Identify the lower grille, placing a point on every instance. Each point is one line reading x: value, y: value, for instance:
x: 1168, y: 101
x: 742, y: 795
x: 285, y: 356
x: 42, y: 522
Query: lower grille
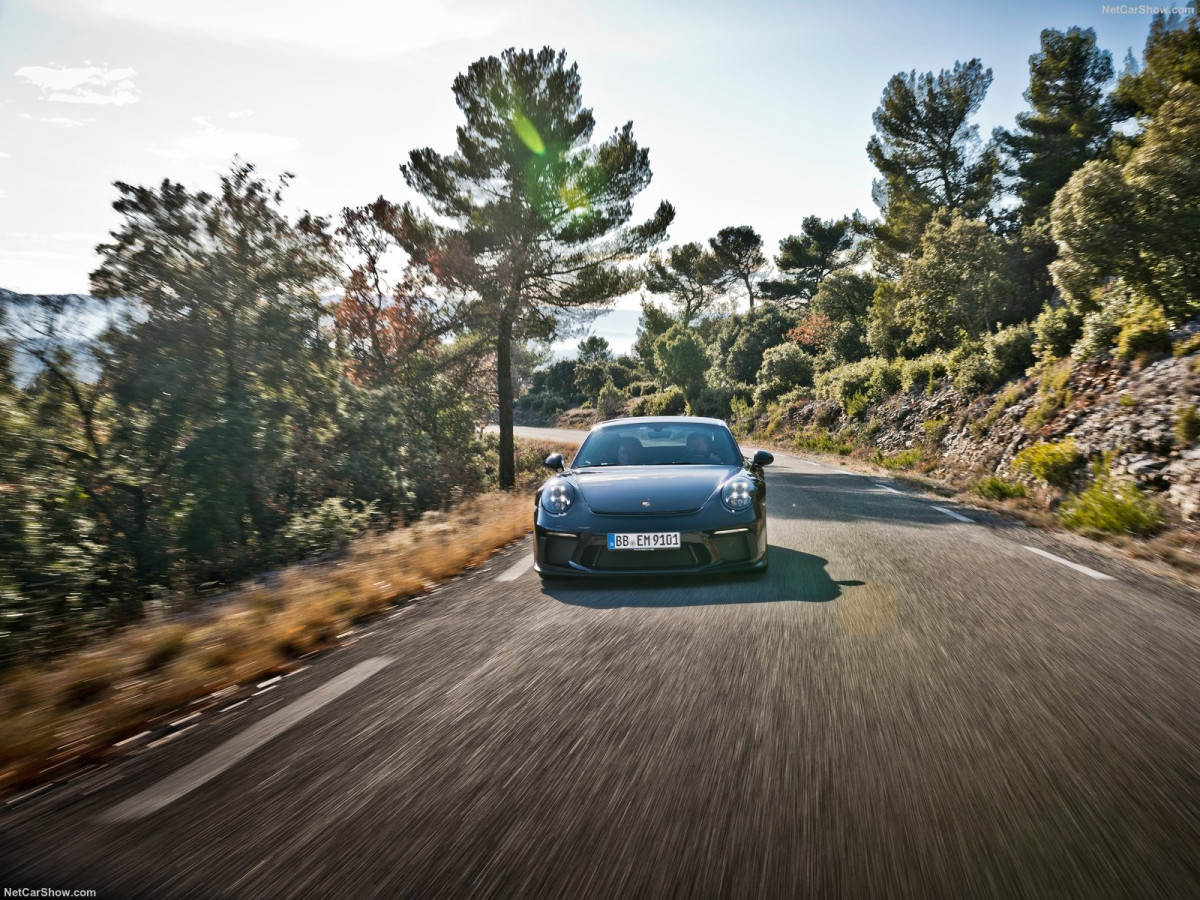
x: 734, y: 547
x: 559, y: 550
x: 685, y: 557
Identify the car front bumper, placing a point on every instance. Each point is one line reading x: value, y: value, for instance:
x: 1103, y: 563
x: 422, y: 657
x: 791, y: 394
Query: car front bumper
x: 733, y: 548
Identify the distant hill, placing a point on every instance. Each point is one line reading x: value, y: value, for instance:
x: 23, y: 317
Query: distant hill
x: 617, y: 326
x: 71, y: 321
x: 74, y: 321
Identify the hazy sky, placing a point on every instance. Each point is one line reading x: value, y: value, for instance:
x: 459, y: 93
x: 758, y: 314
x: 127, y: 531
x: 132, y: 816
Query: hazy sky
x: 754, y: 112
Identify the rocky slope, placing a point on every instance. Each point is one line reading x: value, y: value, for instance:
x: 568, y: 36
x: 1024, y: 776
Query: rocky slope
x: 1107, y: 406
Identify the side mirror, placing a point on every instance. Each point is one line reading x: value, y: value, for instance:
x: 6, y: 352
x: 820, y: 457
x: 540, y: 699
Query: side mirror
x: 762, y: 458
x: 555, y: 461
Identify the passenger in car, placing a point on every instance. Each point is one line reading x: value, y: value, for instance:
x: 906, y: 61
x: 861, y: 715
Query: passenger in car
x: 630, y: 452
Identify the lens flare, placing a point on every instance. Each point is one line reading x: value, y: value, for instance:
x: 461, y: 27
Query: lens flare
x: 527, y: 133
x: 573, y: 196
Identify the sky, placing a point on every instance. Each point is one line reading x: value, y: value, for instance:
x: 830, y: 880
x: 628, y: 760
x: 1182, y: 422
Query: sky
x: 754, y: 113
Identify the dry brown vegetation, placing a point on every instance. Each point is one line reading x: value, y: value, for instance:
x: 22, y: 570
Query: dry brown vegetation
x: 53, y: 718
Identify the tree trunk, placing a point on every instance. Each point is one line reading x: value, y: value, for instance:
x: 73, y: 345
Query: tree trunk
x: 504, y: 393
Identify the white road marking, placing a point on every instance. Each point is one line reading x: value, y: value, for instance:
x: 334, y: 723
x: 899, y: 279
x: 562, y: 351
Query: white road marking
x: 130, y: 740
x: 952, y: 514
x: 886, y: 488
x: 232, y: 751
x: 517, y: 569
x: 817, y: 465
x: 1100, y: 576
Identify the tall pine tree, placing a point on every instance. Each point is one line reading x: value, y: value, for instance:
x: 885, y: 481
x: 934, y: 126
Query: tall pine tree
x: 1069, y: 123
x: 539, y: 216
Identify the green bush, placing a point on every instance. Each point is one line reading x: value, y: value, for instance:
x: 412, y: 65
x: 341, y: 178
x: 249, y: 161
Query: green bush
x: 1112, y: 505
x: 797, y: 397
x: 1100, y: 329
x: 818, y: 440
x: 857, y: 404
x: 935, y: 431
x: 924, y: 372
x: 1054, y: 394
x: 643, y: 388
x: 1055, y: 331
x: 1011, y: 351
x: 1003, y: 401
x: 712, y: 401
x: 669, y: 402
x: 972, y: 370
x: 329, y: 527
x: 1187, y: 424
x: 873, y: 377
x: 1144, y: 329
x: 784, y: 367
x: 1053, y: 463
x: 905, y: 459
x: 1186, y: 346
x: 994, y: 487
x: 611, y: 402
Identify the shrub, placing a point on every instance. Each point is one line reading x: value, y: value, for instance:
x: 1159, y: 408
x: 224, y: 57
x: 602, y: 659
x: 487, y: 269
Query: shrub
x: 669, y: 402
x: 796, y: 397
x: 935, y: 431
x: 1187, y: 424
x: 873, y: 377
x: 1004, y: 400
x: 784, y: 367
x: 1186, y: 346
x: 1054, y: 394
x: 330, y: 526
x: 1053, y: 463
x: 905, y: 459
x: 857, y: 404
x: 1011, y: 351
x: 818, y: 440
x: 972, y: 369
x: 642, y: 388
x: 924, y: 372
x: 1112, y: 505
x: 611, y: 401
x: 1144, y: 329
x: 1100, y: 330
x: 993, y: 487
x: 712, y: 401
x: 1055, y: 331
x: 1127, y: 399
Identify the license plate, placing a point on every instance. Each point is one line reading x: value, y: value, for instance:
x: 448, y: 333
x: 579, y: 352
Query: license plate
x: 655, y: 541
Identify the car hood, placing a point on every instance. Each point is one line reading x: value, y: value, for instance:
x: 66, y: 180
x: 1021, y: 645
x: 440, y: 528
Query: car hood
x: 626, y: 490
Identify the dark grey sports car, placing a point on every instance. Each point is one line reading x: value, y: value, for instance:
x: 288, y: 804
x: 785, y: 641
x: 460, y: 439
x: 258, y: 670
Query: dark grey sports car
x: 669, y: 494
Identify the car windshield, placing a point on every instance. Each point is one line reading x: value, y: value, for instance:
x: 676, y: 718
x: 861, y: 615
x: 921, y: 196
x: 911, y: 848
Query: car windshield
x: 672, y: 444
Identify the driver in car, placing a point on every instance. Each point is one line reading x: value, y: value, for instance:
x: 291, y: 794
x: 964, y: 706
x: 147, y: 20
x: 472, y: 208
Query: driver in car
x: 698, y: 450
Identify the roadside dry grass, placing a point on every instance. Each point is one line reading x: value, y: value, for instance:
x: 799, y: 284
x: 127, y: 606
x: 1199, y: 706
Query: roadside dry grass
x: 55, y: 718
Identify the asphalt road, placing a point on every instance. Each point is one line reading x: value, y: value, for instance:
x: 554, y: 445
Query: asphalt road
x: 907, y: 704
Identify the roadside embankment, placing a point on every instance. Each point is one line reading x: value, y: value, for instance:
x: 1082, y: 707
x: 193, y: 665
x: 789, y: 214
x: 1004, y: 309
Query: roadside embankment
x: 55, y: 717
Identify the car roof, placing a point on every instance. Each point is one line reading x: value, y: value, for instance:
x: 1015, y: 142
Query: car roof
x: 660, y: 420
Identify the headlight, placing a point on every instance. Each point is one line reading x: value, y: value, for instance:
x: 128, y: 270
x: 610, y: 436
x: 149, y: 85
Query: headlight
x: 558, y: 497
x: 738, y: 494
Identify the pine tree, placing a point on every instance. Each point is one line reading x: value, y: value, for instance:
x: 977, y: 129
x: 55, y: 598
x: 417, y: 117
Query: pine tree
x: 738, y: 249
x: 691, y: 276
x: 821, y: 248
x: 927, y: 153
x: 539, y: 215
x: 1070, y: 122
